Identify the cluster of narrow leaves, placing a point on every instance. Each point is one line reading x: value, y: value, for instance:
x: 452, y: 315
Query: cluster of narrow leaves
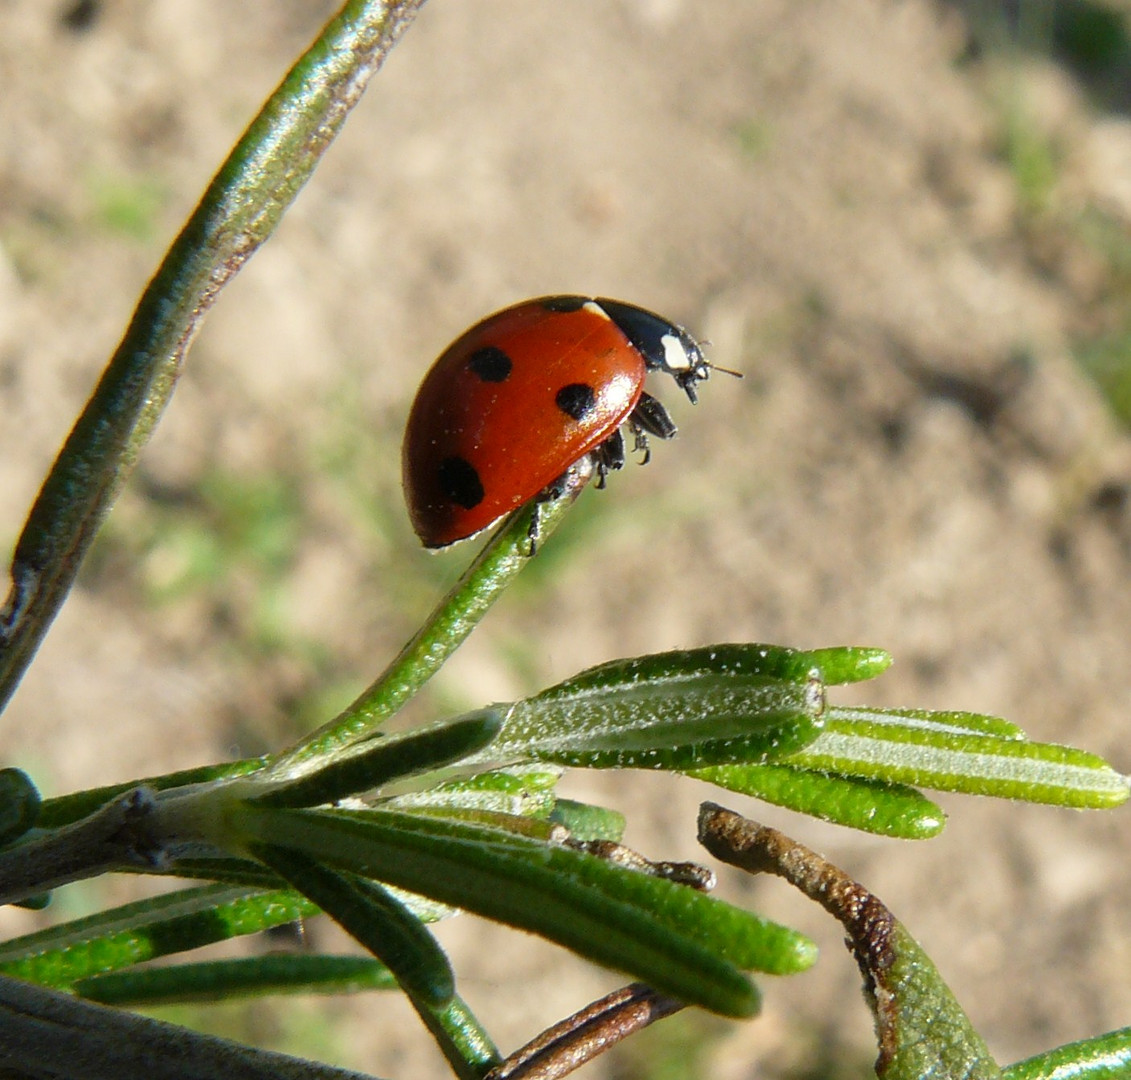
x: 755, y: 719
x: 388, y: 832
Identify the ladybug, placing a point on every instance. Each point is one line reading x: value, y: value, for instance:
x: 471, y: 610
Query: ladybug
x: 531, y: 397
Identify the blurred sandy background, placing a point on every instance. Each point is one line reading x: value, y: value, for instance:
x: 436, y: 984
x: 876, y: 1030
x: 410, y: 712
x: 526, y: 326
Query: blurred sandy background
x: 899, y: 233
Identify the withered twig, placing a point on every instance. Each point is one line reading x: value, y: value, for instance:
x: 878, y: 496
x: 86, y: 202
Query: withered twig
x: 568, y: 1045
x: 869, y: 925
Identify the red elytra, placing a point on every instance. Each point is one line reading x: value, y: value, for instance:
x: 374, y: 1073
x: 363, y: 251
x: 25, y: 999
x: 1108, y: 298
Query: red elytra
x: 516, y: 401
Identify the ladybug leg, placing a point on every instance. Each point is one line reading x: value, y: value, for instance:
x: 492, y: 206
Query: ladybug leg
x: 640, y: 442
x: 650, y: 416
x: 609, y: 456
x: 566, y: 486
x: 534, y: 529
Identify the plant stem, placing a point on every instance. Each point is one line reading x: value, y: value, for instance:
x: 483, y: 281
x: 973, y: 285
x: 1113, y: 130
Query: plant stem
x: 506, y: 553
x: 243, y: 204
x: 117, y: 836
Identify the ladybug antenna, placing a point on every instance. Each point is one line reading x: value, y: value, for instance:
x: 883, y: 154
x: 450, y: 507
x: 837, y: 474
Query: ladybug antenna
x: 705, y: 343
x: 726, y: 370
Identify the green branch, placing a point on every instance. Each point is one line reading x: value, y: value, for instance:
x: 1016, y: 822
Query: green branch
x: 243, y: 204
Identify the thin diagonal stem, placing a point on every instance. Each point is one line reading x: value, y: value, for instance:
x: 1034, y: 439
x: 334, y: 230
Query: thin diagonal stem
x: 243, y: 204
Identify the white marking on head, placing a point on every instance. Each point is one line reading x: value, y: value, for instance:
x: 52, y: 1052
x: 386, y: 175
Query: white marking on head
x: 595, y: 309
x: 675, y: 355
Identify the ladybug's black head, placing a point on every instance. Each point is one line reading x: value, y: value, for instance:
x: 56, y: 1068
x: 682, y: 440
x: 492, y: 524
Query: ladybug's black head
x: 684, y: 361
x: 664, y: 346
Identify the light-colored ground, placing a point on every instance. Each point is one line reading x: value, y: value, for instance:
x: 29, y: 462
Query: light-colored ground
x: 912, y: 460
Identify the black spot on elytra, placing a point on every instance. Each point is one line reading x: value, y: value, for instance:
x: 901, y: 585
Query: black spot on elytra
x: 576, y: 400
x: 565, y: 303
x: 490, y: 364
x: 460, y: 482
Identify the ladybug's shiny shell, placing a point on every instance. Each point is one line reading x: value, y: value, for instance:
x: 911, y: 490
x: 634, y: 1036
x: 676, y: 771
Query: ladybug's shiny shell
x: 518, y: 399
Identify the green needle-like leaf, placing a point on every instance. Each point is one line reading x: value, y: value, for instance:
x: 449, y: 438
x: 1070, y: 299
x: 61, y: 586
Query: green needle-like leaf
x: 930, y: 1034
x: 586, y: 822
x: 368, y: 765
x: 123, y: 936
x: 229, y: 871
x: 248, y: 872
x: 942, y: 721
x: 376, y: 919
x: 242, y: 206
x: 870, y: 805
x: 223, y: 980
x: 746, y: 660
x: 680, y: 941
x: 384, y: 926
x: 935, y: 751
x: 845, y: 663
x: 678, y: 710
x: 1106, y: 1057
x: 692, y: 726
x: 520, y: 791
x: 923, y: 1031
x: 462, y: 1040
